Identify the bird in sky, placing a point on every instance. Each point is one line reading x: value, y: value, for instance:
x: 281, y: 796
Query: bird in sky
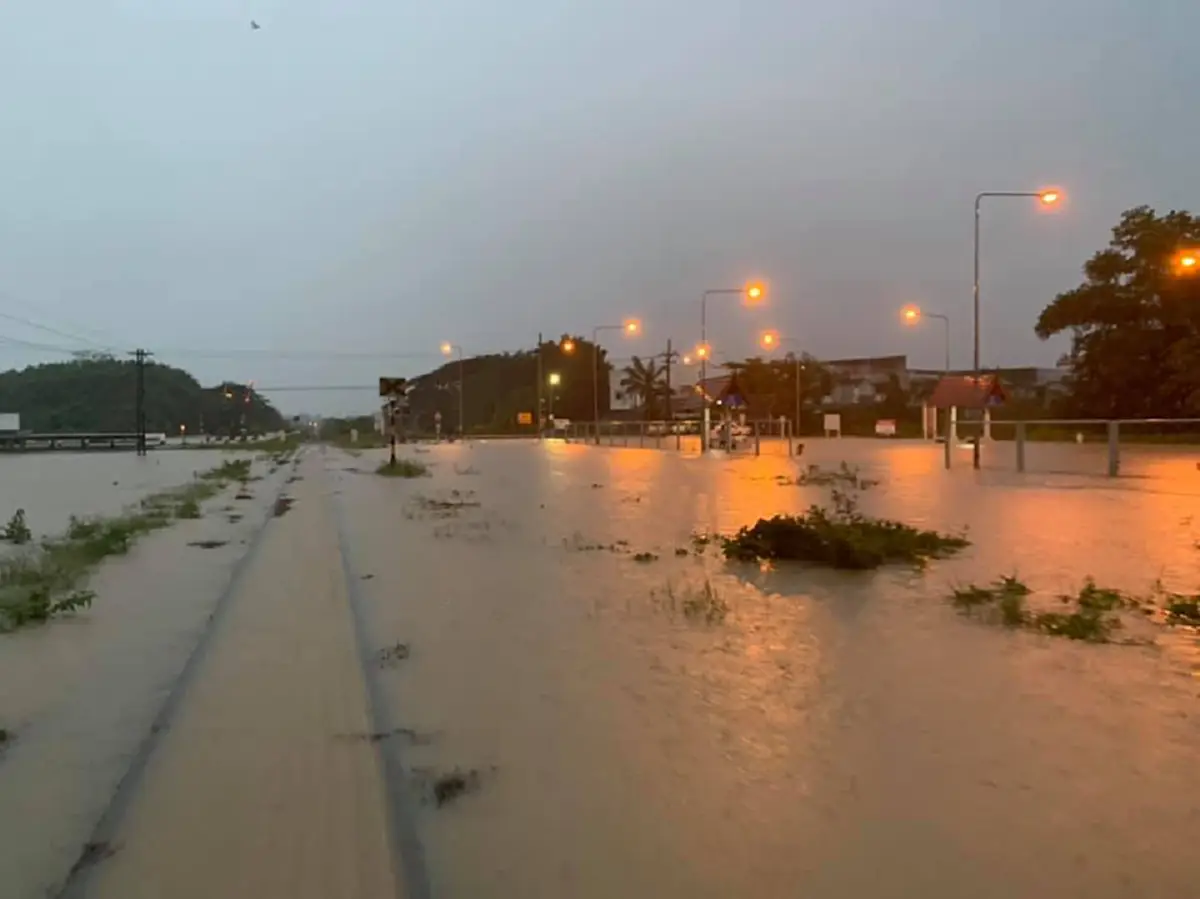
x: 254, y: 26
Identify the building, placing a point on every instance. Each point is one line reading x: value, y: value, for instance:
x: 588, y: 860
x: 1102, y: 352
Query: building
x: 863, y: 380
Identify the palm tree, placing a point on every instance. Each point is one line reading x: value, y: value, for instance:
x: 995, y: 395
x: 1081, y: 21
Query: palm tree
x: 645, y: 382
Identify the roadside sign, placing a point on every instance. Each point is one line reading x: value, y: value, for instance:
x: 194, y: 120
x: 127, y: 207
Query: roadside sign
x: 391, y: 386
x: 885, y: 427
x: 524, y: 418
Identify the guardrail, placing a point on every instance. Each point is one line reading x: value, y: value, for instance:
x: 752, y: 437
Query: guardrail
x: 1112, y: 428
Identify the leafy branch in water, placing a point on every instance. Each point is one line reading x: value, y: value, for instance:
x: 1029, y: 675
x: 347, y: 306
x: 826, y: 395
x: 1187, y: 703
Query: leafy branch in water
x: 841, y: 538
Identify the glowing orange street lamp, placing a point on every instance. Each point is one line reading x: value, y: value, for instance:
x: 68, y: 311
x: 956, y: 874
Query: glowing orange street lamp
x: 1188, y: 262
x: 568, y: 346
x: 912, y: 315
x: 631, y: 327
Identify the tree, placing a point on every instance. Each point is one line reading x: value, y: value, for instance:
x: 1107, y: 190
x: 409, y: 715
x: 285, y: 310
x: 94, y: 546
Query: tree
x: 646, y: 382
x: 100, y: 394
x: 1134, y: 322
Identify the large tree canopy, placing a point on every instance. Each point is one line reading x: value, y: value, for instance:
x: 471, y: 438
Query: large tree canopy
x: 1135, y: 321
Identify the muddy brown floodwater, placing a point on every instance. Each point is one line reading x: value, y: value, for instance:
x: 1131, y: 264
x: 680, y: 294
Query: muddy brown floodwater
x: 837, y: 735
x: 559, y: 693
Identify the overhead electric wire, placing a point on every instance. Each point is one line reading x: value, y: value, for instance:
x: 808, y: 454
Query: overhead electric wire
x: 30, y: 323
x: 47, y: 347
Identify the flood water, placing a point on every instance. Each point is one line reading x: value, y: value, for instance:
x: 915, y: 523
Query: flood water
x: 53, y: 486
x: 837, y: 735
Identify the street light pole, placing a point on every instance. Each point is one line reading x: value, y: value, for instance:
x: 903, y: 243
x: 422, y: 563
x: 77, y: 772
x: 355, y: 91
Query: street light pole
x: 1049, y: 198
x: 769, y: 341
x: 751, y: 292
x: 631, y: 327
x: 448, y: 349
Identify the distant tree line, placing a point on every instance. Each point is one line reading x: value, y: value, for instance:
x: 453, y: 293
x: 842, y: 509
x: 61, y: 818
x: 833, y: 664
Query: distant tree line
x: 98, y: 393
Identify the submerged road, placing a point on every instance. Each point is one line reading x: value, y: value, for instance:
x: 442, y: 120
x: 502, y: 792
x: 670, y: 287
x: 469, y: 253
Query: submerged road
x: 519, y: 677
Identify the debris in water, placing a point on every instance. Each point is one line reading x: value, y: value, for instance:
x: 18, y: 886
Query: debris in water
x: 392, y: 655
x: 93, y: 854
x: 208, y: 544
x: 282, y: 505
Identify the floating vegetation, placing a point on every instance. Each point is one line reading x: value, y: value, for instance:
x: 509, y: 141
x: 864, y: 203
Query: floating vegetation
x: 392, y: 655
x: 1090, y: 615
x: 403, y: 468
x: 645, y: 557
x: 816, y: 476
x: 208, y: 544
x: 842, y: 538
x: 283, y: 505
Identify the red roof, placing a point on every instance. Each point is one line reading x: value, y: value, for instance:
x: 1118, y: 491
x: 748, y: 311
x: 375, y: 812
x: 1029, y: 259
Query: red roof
x: 965, y: 392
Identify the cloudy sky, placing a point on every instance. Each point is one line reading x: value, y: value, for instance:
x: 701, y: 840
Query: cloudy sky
x: 370, y: 177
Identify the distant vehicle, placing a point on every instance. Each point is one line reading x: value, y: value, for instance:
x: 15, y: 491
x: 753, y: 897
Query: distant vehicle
x: 156, y: 440
x: 737, y: 431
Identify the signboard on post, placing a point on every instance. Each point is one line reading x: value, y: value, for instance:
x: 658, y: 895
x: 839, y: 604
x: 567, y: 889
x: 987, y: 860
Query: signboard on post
x: 524, y: 418
x: 833, y: 424
x: 392, y: 386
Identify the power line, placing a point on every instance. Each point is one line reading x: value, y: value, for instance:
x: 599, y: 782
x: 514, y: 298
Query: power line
x: 290, y: 354
x: 70, y: 351
x: 30, y: 323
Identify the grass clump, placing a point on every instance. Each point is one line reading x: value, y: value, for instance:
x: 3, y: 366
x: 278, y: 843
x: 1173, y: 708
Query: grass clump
x: 1090, y: 616
x: 43, y: 582
x: 17, y: 530
x: 1004, y: 599
x: 842, y: 538
x: 403, y: 468
x: 704, y: 605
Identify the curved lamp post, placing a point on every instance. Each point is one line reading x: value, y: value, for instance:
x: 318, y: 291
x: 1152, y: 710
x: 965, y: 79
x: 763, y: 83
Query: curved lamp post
x: 631, y: 327
x: 753, y: 293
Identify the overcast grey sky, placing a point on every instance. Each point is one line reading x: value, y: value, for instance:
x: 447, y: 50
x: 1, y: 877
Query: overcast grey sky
x: 381, y: 175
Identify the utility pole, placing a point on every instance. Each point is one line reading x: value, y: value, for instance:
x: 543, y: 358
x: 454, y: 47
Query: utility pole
x: 537, y: 415
x: 670, y: 357
x: 140, y: 356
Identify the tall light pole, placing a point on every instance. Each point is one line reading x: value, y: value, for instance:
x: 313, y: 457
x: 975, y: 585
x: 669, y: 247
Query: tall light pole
x: 567, y: 346
x: 913, y: 314
x: 447, y: 350
x: 1047, y: 198
x: 631, y: 327
x: 752, y: 294
x: 769, y: 341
